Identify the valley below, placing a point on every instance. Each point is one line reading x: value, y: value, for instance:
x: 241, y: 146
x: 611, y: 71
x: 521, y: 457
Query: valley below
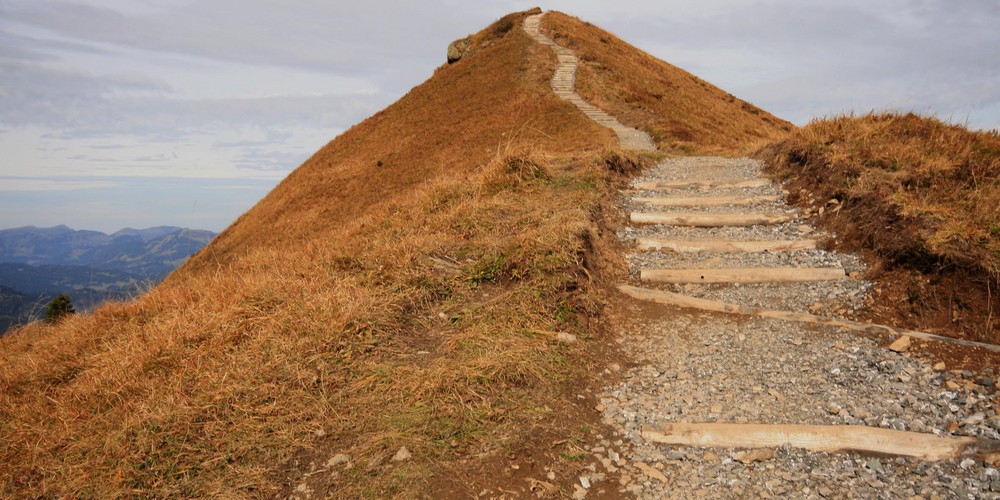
x: 36, y: 264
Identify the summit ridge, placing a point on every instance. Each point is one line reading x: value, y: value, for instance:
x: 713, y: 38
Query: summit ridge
x: 564, y: 86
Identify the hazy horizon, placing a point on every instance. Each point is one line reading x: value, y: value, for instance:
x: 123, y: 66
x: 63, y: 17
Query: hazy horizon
x: 109, y: 233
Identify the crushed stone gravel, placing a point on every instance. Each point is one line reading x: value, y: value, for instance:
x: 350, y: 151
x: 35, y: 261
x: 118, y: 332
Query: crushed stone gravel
x: 704, y: 367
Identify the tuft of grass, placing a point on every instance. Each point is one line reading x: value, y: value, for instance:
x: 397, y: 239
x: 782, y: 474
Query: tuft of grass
x: 510, y: 169
x: 921, y: 193
x: 627, y: 164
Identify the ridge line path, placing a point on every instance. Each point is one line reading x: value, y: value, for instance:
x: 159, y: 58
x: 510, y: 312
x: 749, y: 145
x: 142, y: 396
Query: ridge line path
x: 686, y: 366
x: 564, y: 86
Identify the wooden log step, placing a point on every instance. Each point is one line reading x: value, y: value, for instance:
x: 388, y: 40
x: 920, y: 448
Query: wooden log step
x: 747, y: 275
x: 826, y: 438
x: 724, y: 246
x: 679, y: 300
x: 712, y: 201
x: 702, y: 184
x: 696, y: 219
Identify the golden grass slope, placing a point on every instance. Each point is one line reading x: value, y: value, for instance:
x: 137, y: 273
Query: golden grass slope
x: 394, y: 291
x: 452, y: 124
x: 400, y: 288
x: 683, y: 113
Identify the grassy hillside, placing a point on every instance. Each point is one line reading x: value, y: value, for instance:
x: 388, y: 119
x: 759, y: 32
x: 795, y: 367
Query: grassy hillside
x: 406, y: 286
x: 683, y: 113
x: 398, y: 289
x: 922, y: 197
x: 449, y: 126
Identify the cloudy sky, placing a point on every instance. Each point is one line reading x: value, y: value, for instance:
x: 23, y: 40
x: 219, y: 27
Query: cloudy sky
x: 118, y: 113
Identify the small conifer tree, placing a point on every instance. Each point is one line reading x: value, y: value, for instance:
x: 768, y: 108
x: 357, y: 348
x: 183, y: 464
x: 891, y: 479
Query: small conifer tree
x: 59, y: 307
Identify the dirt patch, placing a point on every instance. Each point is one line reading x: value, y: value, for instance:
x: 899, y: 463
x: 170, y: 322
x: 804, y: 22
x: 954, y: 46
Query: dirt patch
x: 913, y: 289
x: 548, y: 456
x: 973, y: 359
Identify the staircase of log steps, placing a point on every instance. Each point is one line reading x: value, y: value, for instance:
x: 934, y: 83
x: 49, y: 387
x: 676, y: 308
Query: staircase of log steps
x: 716, y: 217
x: 721, y: 215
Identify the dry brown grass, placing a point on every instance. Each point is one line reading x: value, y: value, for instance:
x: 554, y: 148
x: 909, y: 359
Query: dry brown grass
x: 454, y: 223
x: 400, y: 288
x: 217, y: 382
x: 450, y: 124
x: 922, y: 194
x: 683, y: 113
x: 214, y: 383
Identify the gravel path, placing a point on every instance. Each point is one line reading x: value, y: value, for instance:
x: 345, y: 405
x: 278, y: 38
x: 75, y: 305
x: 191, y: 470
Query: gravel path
x: 706, y: 367
x: 564, y: 86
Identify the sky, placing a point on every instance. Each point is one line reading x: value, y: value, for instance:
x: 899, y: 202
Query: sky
x: 139, y: 113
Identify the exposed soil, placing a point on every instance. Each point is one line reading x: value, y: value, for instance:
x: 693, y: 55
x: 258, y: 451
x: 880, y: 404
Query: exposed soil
x: 913, y: 289
x: 917, y: 199
x: 547, y: 458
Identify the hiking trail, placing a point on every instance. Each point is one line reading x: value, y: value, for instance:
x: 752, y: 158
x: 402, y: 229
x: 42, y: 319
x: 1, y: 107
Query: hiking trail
x: 935, y: 429
x: 746, y: 374
x: 564, y: 86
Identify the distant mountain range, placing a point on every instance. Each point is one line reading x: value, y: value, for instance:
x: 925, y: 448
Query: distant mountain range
x: 90, y: 266
x: 148, y: 252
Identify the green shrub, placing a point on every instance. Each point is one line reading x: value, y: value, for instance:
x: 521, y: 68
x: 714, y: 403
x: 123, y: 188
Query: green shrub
x: 59, y: 307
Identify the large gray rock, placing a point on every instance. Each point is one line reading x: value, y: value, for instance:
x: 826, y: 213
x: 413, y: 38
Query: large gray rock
x: 457, y: 49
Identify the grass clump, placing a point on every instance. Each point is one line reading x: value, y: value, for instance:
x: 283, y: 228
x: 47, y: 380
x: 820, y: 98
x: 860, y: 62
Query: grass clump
x: 626, y: 164
x: 509, y: 170
x: 922, y: 194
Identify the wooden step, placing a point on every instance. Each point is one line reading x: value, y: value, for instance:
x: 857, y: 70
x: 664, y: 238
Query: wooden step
x: 747, y: 275
x: 826, y: 438
x: 681, y: 300
x: 725, y: 246
x: 696, y: 219
x: 708, y: 201
x: 702, y: 184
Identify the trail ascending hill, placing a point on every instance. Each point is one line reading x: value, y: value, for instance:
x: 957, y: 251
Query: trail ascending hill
x: 683, y: 113
x: 411, y: 303
x: 689, y: 368
x: 564, y: 86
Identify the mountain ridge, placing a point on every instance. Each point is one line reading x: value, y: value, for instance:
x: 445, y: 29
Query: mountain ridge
x: 151, y: 252
x: 90, y: 266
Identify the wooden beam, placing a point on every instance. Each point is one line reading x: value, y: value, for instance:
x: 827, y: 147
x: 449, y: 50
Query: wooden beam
x: 695, y: 219
x: 743, y: 275
x: 701, y: 184
x: 706, y: 201
x: 678, y: 300
x: 827, y: 438
x: 724, y: 246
